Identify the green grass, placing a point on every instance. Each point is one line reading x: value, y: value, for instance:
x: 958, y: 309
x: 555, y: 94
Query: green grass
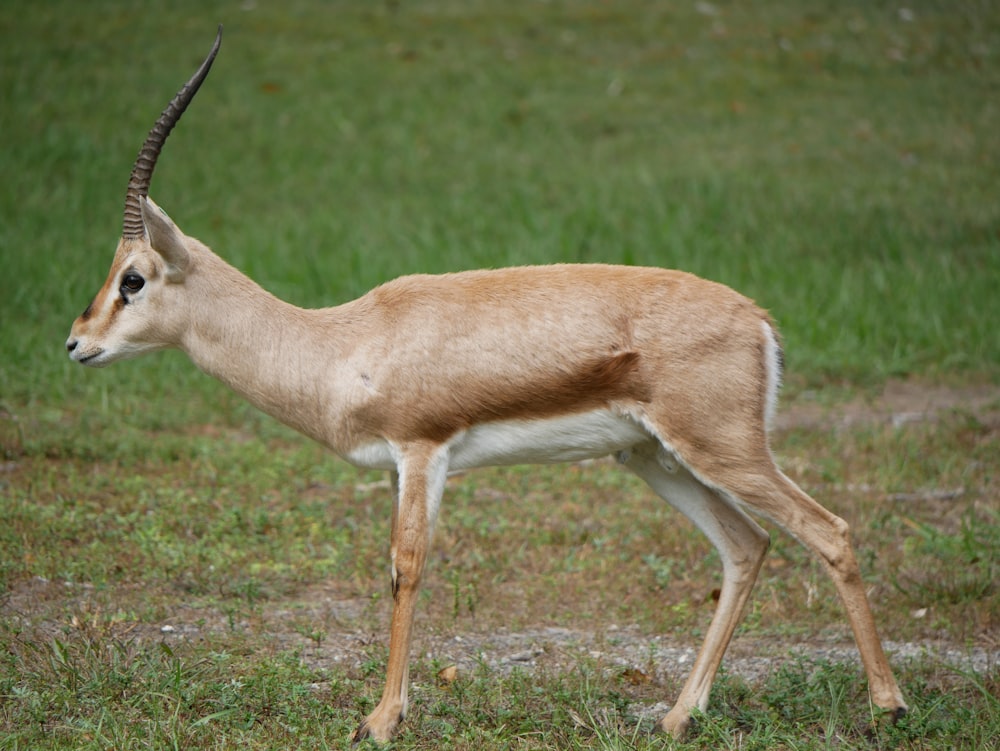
x: 269, y: 561
x: 835, y: 161
x: 126, y: 695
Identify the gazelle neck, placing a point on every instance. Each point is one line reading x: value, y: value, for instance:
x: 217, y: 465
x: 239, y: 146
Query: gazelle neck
x: 269, y: 351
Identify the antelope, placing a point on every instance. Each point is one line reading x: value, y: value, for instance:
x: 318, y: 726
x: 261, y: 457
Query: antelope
x: 675, y: 376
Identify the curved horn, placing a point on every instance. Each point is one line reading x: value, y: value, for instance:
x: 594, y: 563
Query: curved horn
x: 142, y: 171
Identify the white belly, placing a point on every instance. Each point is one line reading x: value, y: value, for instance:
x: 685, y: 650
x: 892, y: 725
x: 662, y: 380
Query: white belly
x: 557, y: 439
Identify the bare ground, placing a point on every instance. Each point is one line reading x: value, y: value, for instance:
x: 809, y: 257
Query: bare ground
x: 899, y: 403
x: 352, y: 628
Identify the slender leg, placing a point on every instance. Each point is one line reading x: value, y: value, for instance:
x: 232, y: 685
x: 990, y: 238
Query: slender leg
x: 828, y: 537
x: 742, y: 545
x: 417, y: 493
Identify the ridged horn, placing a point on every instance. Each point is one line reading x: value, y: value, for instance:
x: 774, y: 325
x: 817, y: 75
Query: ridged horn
x: 142, y: 171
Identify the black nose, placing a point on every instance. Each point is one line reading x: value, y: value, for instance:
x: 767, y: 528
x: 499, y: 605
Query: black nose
x: 71, y: 345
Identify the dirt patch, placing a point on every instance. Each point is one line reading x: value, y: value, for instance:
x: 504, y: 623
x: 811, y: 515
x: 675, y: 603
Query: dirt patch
x: 624, y: 650
x: 899, y: 403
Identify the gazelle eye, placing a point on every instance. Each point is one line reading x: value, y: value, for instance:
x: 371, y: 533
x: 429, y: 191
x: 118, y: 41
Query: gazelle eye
x: 132, y: 282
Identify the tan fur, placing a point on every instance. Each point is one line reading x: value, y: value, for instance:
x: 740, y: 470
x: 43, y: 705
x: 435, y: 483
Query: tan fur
x: 680, y: 364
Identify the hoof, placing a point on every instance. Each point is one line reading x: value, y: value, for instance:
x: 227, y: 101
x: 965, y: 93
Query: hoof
x: 674, y: 726
x: 368, y: 730
x: 363, y: 733
x: 888, y: 716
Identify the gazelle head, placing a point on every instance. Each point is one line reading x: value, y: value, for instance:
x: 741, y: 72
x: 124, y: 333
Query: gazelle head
x: 134, y: 312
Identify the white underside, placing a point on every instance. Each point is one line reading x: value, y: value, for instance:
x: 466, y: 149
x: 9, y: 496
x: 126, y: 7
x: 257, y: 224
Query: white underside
x: 570, y: 438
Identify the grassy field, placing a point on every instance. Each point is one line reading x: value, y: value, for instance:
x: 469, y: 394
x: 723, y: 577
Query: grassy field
x: 178, y: 571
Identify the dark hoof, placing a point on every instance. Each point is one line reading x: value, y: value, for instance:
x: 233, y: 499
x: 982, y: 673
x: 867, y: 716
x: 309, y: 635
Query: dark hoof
x: 363, y: 733
x: 888, y: 717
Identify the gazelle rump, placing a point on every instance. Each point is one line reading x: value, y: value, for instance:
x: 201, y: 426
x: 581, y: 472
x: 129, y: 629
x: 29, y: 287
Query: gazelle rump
x: 675, y: 376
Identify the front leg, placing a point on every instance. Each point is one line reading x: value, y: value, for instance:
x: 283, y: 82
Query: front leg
x: 417, y: 489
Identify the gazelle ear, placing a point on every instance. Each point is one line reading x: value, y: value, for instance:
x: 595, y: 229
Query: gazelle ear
x: 165, y: 239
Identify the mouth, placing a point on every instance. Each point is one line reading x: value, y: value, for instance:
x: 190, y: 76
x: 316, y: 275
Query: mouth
x: 93, y: 359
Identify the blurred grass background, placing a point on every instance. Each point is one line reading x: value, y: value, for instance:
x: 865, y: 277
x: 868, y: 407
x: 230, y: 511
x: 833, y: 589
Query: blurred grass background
x: 835, y: 161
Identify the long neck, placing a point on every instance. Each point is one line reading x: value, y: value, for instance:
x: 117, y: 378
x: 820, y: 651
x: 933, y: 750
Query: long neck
x: 281, y: 358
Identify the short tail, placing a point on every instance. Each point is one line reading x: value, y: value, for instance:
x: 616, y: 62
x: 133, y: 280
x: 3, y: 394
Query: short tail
x: 774, y: 370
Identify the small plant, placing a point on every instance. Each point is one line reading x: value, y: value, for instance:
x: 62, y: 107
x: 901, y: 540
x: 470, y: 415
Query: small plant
x: 311, y: 632
x: 464, y: 591
x: 954, y: 568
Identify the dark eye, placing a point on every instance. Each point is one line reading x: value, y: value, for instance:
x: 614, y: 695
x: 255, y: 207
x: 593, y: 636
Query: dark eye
x: 132, y: 282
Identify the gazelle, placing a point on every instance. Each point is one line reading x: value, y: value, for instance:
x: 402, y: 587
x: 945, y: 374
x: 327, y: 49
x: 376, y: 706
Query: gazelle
x: 675, y: 376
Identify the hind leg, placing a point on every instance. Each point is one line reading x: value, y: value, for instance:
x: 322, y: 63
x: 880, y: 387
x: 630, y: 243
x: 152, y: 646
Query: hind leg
x: 742, y: 545
x: 772, y: 494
